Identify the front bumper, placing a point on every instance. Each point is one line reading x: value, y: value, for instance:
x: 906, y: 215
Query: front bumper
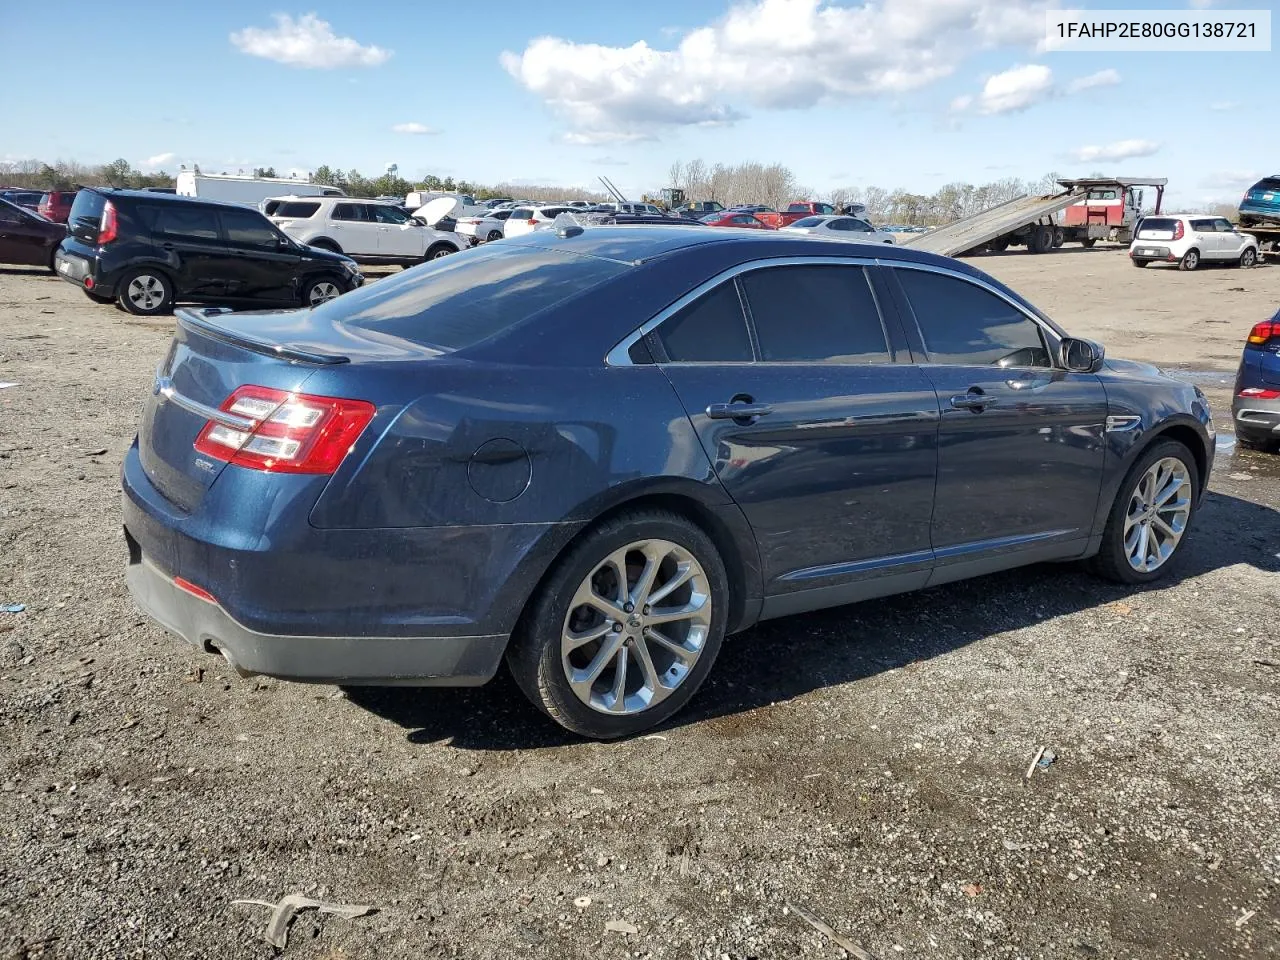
x: 408, y: 661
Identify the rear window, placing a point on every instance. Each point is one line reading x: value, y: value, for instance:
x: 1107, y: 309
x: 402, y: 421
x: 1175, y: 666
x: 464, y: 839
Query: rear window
x: 1158, y: 223
x: 798, y: 208
x: 297, y: 209
x: 455, y: 302
x: 86, y: 214
x: 1270, y: 184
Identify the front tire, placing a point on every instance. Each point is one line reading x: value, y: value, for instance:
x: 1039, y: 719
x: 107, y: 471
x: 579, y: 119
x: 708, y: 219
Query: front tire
x: 625, y: 628
x: 1088, y: 242
x: 1248, y: 258
x: 1190, y: 260
x: 1151, y: 515
x: 1041, y: 239
x: 438, y: 251
x: 146, y: 292
x: 320, y: 290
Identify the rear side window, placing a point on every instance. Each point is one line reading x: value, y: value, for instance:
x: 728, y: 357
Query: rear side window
x: 298, y: 209
x: 961, y: 323
x: 245, y: 228
x: 349, y: 211
x: 454, y: 302
x: 1204, y: 226
x: 815, y: 314
x: 712, y: 329
x: 186, y: 221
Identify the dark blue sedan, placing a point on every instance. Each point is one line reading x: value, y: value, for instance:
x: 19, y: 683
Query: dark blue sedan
x: 596, y: 452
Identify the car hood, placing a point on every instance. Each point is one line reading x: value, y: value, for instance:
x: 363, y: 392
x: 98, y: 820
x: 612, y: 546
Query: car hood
x: 1134, y: 368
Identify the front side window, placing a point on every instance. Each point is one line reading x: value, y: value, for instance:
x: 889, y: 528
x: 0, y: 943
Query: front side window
x: 389, y: 214
x: 1224, y: 225
x: 248, y: 229
x: 712, y: 329
x: 826, y: 208
x: 815, y: 314
x: 9, y: 214
x: 811, y: 222
x: 962, y: 323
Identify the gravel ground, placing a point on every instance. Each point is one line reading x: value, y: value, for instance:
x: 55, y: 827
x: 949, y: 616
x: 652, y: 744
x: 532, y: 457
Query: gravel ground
x: 866, y: 764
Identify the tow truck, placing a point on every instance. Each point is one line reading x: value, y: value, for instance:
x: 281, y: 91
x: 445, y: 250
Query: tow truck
x: 1032, y: 220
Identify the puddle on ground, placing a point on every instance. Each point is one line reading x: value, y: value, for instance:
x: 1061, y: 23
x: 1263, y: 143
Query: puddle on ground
x: 1234, y: 462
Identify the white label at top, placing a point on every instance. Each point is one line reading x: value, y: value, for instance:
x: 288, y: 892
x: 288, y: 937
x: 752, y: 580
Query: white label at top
x: 1186, y: 31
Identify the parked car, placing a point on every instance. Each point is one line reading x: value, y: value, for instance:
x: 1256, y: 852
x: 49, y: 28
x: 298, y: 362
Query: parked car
x: 56, y: 204
x: 366, y: 231
x: 734, y: 218
x: 151, y: 250
x: 451, y: 479
x: 797, y: 210
x: 23, y: 198
x: 1189, y: 240
x: 486, y: 228
x: 527, y: 219
x: 1255, y: 406
x: 26, y: 237
x: 1261, y: 203
x: 842, y: 228
x: 698, y: 208
x: 498, y: 202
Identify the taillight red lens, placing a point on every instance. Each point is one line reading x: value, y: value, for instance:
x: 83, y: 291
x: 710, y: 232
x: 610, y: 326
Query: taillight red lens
x: 532, y: 223
x: 109, y: 227
x: 1264, y: 331
x: 1178, y: 231
x: 286, y: 432
x: 1260, y: 393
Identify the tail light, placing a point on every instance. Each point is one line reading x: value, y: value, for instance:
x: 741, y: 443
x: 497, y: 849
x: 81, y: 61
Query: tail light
x: 44, y: 206
x: 532, y: 223
x: 1264, y: 331
x: 1177, y: 230
x: 108, y: 228
x: 1260, y: 393
x: 285, y: 432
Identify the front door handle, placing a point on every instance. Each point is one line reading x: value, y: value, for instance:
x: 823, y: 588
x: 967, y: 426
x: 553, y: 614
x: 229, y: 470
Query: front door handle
x: 972, y: 401
x: 739, y: 410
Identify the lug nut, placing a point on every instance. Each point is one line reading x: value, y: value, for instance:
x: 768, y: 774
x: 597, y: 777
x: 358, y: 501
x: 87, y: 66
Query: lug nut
x: 628, y: 607
x: 617, y: 627
x: 646, y: 610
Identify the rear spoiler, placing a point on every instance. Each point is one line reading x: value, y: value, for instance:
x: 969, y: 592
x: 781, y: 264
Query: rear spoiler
x: 203, y: 320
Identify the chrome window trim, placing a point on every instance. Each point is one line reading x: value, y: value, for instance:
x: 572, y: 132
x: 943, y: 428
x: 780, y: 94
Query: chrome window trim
x: 619, y: 356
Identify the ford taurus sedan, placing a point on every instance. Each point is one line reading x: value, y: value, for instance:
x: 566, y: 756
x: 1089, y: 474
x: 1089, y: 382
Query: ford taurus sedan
x: 597, y: 452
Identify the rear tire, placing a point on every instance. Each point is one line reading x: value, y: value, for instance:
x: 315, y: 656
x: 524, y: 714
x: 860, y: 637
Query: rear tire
x: 1059, y: 237
x: 1041, y: 239
x: 1088, y: 242
x: 494, y: 235
x: 1248, y: 258
x: 657, y: 677
x: 1123, y: 529
x: 1139, y: 263
x: 146, y: 292
x: 1190, y: 260
x: 999, y: 245
x: 98, y: 297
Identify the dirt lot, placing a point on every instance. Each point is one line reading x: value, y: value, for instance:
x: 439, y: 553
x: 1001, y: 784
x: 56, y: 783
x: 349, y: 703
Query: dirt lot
x: 866, y: 764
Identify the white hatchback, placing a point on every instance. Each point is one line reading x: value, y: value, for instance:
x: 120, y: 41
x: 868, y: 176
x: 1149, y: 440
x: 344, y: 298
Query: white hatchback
x: 527, y: 219
x: 1189, y: 240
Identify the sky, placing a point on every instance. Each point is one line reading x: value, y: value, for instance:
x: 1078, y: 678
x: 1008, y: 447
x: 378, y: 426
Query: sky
x: 847, y: 93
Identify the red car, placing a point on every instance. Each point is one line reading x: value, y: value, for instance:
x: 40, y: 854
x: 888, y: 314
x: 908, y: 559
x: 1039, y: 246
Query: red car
x: 734, y: 218
x: 56, y: 204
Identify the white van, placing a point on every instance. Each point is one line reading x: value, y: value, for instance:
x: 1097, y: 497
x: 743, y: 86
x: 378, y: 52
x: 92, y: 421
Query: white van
x: 248, y: 191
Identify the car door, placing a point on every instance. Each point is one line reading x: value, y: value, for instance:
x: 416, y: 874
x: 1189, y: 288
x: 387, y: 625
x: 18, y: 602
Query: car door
x: 399, y: 235
x: 20, y: 242
x: 1020, y: 447
x: 1205, y: 236
x: 827, y: 444
x: 191, y: 241
x: 1232, y: 240
x: 354, y: 229
x: 268, y: 262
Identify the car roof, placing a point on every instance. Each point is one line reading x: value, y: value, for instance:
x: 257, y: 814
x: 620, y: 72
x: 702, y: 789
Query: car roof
x: 635, y: 244
x: 152, y: 197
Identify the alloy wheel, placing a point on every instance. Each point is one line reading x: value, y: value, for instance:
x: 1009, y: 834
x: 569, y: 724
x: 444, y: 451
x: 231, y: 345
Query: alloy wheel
x: 1157, y: 515
x: 323, y: 292
x: 145, y: 291
x: 636, y: 627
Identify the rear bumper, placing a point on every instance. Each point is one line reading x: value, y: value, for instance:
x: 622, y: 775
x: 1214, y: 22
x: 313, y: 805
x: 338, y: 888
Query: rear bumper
x: 414, y: 661
x: 1256, y: 418
x: 1151, y: 251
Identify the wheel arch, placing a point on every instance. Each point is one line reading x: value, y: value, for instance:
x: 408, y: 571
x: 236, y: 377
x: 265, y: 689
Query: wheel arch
x: 1190, y: 438
x: 324, y: 243
x: 724, y: 523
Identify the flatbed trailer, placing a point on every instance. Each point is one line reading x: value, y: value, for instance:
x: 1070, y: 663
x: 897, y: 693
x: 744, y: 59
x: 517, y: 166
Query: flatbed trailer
x: 1268, y: 235
x: 1025, y: 219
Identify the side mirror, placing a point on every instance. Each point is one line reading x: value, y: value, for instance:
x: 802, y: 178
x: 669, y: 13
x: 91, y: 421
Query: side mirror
x: 1082, y: 356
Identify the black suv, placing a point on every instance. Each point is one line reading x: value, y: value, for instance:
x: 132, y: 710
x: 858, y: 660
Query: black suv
x: 149, y: 250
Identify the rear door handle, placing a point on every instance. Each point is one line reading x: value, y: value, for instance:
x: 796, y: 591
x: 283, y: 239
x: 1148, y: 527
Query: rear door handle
x: 738, y: 410
x: 972, y: 401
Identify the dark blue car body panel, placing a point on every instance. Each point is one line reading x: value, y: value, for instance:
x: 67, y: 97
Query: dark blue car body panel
x: 1257, y: 415
x: 482, y: 464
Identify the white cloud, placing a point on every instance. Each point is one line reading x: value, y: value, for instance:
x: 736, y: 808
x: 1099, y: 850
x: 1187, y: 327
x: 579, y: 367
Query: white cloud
x: 1229, y: 179
x: 597, y: 137
x: 307, y: 41
x: 1222, y: 106
x: 1103, y: 78
x: 772, y: 54
x: 158, y: 161
x: 1200, y: 4
x: 1119, y: 150
x: 420, y: 129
